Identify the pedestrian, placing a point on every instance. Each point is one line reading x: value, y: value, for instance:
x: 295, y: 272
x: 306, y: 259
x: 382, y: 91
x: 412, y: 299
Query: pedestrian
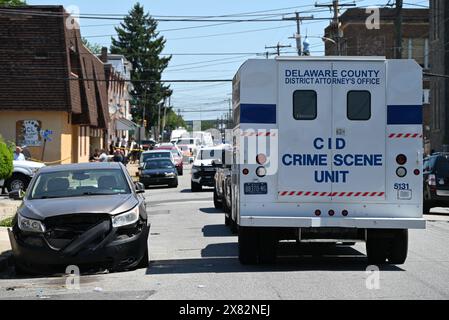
x: 95, y: 156
x: 103, y: 156
x: 18, y: 155
x: 118, y: 157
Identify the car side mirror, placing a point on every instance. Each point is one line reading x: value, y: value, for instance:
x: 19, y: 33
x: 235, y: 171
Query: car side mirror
x: 16, y: 195
x: 140, y: 188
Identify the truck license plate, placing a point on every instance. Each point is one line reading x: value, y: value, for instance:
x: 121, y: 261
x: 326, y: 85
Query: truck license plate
x: 256, y: 188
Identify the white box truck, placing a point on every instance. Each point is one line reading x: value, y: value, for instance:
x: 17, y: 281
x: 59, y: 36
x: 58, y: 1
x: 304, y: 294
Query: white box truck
x: 327, y: 148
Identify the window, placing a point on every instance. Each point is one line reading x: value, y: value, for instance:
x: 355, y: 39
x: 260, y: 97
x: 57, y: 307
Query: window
x: 359, y: 105
x: 305, y: 105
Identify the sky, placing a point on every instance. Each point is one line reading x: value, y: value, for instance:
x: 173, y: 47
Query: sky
x: 245, y: 40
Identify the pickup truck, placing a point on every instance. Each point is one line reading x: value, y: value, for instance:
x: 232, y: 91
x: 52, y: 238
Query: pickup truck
x: 22, y: 174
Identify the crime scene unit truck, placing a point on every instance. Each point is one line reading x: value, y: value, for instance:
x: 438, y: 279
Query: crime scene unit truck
x: 327, y: 149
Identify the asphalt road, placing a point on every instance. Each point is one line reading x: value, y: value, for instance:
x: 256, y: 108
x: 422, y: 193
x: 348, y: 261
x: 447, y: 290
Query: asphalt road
x: 193, y: 256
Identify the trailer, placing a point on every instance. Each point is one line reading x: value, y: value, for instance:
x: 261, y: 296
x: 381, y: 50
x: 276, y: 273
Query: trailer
x: 327, y: 148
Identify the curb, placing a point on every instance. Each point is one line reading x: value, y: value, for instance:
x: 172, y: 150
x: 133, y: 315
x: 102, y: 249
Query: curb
x: 6, y: 261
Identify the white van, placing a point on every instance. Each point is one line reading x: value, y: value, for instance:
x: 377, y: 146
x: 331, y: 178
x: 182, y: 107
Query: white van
x: 327, y: 148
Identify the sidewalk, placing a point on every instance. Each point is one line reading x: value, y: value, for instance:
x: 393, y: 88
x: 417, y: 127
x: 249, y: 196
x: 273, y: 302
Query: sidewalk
x: 5, y: 250
x: 8, y: 207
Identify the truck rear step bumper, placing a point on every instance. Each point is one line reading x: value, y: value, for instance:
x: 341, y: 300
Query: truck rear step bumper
x: 312, y: 222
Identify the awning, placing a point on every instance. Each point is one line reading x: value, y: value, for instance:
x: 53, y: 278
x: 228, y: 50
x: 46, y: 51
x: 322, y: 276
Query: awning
x: 125, y: 125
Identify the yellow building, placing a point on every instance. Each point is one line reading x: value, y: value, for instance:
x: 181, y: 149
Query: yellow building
x: 53, y: 94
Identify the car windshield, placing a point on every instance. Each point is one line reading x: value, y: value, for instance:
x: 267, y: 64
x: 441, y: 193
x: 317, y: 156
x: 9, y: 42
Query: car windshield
x: 77, y: 183
x: 158, y: 164
x: 442, y: 167
x: 186, y: 141
x: 155, y: 155
x: 210, y: 155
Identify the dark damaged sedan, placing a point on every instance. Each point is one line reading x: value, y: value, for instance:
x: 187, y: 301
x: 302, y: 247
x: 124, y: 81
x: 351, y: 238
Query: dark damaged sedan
x: 84, y: 215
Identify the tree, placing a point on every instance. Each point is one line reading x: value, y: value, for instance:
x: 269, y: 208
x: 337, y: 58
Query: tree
x: 173, y: 121
x: 12, y: 2
x: 139, y: 41
x: 6, y: 160
x: 95, y: 48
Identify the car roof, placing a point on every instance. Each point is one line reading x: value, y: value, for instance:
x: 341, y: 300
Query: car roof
x: 82, y: 166
x: 157, y: 159
x: 156, y: 151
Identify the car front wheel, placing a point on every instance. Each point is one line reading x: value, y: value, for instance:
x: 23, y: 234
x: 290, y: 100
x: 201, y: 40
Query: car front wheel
x: 18, y: 181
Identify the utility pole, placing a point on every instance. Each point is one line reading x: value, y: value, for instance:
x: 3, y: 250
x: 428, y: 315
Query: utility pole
x: 398, y: 27
x: 278, y: 48
x: 297, y: 36
x: 335, y: 25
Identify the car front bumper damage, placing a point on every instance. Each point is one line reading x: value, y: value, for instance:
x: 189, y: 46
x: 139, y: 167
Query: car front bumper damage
x: 101, y: 246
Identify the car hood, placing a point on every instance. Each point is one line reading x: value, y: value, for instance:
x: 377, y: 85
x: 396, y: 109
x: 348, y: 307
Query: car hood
x: 28, y: 164
x: 45, y: 208
x: 157, y: 171
x: 207, y: 162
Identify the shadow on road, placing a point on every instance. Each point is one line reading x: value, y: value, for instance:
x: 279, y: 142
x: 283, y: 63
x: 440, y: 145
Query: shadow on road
x: 212, y: 211
x: 217, y: 230
x: 222, y: 258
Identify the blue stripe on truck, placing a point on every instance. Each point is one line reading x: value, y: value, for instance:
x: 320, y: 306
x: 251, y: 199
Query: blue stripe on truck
x: 407, y: 114
x: 258, y: 113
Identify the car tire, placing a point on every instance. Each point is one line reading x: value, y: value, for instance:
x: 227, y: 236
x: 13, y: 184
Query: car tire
x: 377, y: 247
x: 398, y: 247
x: 427, y: 205
x: 228, y: 221
x: 217, y: 204
x: 196, y: 187
x: 17, y: 181
x: 248, y: 245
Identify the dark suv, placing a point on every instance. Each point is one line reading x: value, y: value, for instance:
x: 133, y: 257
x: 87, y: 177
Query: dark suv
x: 436, y: 181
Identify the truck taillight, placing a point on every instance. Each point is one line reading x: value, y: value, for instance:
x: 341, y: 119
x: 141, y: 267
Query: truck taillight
x: 245, y: 172
x: 261, y: 159
x: 401, y: 172
x: 318, y: 213
x: 401, y: 159
x: 261, y: 172
x: 432, y: 180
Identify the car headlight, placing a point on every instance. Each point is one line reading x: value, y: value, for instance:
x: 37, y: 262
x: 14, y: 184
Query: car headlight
x: 170, y: 174
x: 126, y: 218
x: 30, y: 225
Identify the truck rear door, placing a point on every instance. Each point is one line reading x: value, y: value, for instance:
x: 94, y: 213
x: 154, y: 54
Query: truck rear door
x: 305, y: 122
x: 359, y: 122
x: 332, y: 131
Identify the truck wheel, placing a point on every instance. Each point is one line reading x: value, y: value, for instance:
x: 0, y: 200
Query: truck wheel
x: 248, y: 245
x: 217, y: 204
x: 377, y: 247
x: 267, y: 243
x: 427, y: 205
x: 398, y: 247
x: 196, y: 187
x: 17, y: 181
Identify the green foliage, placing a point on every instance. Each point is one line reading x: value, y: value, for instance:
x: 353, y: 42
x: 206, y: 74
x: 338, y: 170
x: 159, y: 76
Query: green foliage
x: 139, y: 41
x: 6, y: 160
x: 7, y: 223
x: 95, y: 48
x: 173, y: 121
x: 12, y: 2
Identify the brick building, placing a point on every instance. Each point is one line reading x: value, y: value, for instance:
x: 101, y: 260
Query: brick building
x: 439, y: 53
x: 358, y: 40
x: 118, y: 75
x: 50, y: 81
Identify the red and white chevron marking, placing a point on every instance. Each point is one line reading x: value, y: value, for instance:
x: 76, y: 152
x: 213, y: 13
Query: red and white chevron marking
x: 331, y: 194
x: 258, y: 134
x: 405, y: 136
